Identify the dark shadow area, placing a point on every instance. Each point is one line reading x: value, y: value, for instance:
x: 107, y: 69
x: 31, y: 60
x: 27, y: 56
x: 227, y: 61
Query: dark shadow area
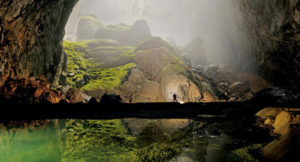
x: 229, y: 110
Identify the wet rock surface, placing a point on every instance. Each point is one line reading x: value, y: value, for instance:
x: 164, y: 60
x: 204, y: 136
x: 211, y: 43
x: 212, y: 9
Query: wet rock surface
x: 284, y: 125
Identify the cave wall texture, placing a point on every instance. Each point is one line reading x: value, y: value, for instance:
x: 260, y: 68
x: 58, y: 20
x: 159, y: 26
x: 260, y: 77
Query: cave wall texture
x: 273, y: 29
x: 31, y: 33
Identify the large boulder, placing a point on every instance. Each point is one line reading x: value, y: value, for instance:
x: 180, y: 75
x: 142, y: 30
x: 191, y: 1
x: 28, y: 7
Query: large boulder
x: 154, y: 57
x: 75, y: 95
x: 138, y: 89
x: 111, y: 99
x: 185, y: 89
x: 239, y: 91
x: 87, y: 27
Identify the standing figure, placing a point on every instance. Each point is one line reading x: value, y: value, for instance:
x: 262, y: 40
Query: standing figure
x: 174, y: 98
x: 130, y: 98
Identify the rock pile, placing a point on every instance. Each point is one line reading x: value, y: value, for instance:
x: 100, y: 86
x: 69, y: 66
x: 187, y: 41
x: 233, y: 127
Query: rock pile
x: 230, y: 85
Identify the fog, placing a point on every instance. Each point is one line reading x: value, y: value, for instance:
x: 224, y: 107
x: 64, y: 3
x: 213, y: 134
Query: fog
x: 216, y: 22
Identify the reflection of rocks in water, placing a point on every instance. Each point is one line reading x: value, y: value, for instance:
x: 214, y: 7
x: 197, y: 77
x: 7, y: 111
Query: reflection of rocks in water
x: 207, y: 143
x: 20, y: 140
x: 285, y: 124
x: 145, y: 140
x: 136, y: 126
x: 152, y: 133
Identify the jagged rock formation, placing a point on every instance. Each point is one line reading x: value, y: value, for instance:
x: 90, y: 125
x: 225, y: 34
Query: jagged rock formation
x: 87, y: 27
x: 273, y: 29
x: 31, y: 37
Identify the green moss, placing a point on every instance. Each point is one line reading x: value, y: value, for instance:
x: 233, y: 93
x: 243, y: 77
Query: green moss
x: 110, y: 140
x: 106, y: 65
x: 159, y: 152
x: 108, y: 78
x: 95, y: 140
x: 244, y: 154
x: 176, y: 65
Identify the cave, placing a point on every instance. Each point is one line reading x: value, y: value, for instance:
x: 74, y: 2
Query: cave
x: 157, y: 81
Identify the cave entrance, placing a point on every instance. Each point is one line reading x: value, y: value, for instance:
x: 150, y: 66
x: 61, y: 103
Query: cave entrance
x: 138, y: 49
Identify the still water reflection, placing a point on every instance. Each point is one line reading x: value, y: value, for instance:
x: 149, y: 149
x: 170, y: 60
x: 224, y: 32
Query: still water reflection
x: 121, y: 140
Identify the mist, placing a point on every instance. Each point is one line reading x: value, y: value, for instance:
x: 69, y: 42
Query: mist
x: 217, y: 22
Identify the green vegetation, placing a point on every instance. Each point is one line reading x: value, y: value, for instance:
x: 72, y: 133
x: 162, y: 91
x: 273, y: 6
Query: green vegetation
x: 244, y: 154
x: 105, y: 65
x: 107, y: 78
x: 110, y: 140
x: 95, y: 140
x: 177, y: 66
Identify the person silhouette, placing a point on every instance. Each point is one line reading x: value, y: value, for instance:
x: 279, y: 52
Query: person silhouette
x: 174, y: 98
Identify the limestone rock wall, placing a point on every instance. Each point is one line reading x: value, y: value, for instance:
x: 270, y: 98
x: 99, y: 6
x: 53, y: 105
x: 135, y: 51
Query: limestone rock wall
x: 273, y: 29
x: 31, y: 35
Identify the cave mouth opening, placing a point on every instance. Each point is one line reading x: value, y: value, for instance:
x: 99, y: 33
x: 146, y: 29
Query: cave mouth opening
x: 127, y: 49
x: 106, y: 43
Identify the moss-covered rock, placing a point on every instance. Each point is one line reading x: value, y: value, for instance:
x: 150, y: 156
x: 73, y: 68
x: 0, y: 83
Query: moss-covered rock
x: 160, y: 71
x: 97, y: 64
